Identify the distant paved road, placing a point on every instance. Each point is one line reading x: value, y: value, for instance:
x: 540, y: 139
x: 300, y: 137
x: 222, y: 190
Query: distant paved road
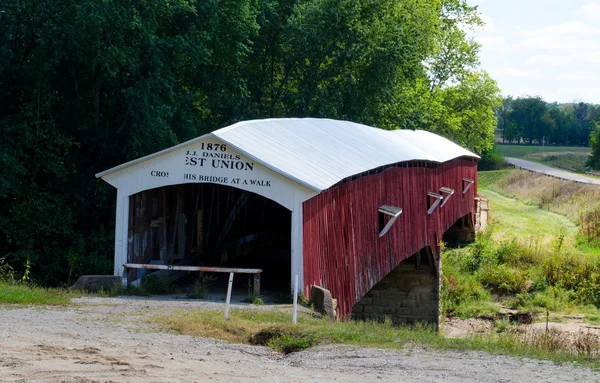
x: 539, y: 168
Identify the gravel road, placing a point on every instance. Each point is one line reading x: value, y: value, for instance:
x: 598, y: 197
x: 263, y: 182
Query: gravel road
x: 106, y: 340
x: 539, y: 168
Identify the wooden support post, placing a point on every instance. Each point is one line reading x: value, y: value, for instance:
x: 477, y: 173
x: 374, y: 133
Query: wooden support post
x: 295, y: 313
x: 229, y: 287
x: 256, y: 284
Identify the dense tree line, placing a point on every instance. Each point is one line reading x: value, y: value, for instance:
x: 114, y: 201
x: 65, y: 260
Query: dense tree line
x: 530, y: 120
x: 91, y: 84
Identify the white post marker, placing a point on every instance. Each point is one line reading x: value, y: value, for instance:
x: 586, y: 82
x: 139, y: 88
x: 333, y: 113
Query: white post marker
x: 295, y: 313
x: 228, y: 296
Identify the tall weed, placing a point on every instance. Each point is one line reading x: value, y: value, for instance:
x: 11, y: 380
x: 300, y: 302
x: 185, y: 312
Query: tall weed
x: 520, y: 274
x: 6, y: 272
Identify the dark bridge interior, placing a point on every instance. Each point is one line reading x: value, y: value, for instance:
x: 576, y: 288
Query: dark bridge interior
x: 207, y: 224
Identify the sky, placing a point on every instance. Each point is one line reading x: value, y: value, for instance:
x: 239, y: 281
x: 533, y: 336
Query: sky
x: 547, y: 48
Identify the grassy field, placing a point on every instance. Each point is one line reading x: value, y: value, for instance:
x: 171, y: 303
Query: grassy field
x: 273, y: 329
x: 515, y: 219
x: 522, y: 151
x: 578, y: 202
x: 17, y: 293
x: 535, y: 256
x: 522, y: 218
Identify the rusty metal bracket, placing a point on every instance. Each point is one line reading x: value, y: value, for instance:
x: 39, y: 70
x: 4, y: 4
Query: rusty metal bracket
x: 191, y: 268
x: 206, y: 269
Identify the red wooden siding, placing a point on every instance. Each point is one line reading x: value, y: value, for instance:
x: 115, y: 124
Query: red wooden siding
x: 342, y: 251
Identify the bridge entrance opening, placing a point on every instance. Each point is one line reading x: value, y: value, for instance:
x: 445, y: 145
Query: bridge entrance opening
x: 461, y: 233
x: 210, y: 225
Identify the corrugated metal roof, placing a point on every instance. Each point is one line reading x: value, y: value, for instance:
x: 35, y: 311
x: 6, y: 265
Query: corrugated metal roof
x: 318, y: 153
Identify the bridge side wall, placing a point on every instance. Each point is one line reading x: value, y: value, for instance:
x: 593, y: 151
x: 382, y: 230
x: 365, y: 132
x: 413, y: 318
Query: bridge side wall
x: 342, y: 251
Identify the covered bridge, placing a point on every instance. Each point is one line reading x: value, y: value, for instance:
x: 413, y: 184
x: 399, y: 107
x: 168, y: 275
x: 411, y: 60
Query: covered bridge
x: 339, y: 204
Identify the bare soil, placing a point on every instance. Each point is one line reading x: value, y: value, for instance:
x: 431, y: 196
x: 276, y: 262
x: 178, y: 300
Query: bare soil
x: 463, y: 328
x: 106, y: 340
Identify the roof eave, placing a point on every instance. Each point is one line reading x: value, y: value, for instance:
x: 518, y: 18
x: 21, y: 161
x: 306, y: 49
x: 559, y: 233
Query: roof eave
x: 154, y: 155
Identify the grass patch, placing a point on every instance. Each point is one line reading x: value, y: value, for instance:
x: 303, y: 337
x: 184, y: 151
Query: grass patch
x: 521, y: 151
x: 487, y: 180
x: 283, y: 340
x: 569, y: 161
x: 18, y: 293
x: 579, y: 203
x: 275, y: 330
x: 516, y: 219
x: 125, y: 291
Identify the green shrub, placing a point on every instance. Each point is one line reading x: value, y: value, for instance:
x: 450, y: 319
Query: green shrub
x: 157, y: 284
x: 284, y: 340
x: 491, y: 160
x: 482, y: 251
x: 253, y: 298
x: 201, y: 285
x: 462, y: 292
x: 6, y: 272
x: 505, y: 279
x: 518, y: 254
x: 287, y: 343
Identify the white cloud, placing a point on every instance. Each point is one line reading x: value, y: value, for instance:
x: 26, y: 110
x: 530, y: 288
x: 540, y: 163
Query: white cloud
x: 516, y: 72
x: 551, y: 43
x: 492, y: 42
x: 548, y: 47
x: 590, y: 11
x: 577, y: 58
x: 569, y: 28
x: 580, y: 76
x: 490, y: 26
x: 574, y: 94
x: 521, y: 92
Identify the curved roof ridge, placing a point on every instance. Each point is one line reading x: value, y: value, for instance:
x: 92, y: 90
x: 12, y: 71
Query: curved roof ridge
x: 318, y: 153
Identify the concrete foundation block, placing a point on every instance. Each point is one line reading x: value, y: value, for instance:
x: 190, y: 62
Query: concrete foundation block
x: 373, y: 310
x: 322, y: 301
x: 93, y: 283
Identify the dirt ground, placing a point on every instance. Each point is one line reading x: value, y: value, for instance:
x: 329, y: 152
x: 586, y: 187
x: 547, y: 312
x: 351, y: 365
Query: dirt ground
x: 570, y: 326
x: 103, y: 340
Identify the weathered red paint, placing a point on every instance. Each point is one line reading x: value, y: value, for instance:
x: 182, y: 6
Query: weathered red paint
x: 342, y: 251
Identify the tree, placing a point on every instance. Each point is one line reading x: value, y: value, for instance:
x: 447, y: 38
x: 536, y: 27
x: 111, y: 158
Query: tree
x: 91, y: 84
x: 456, y: 55
x: 594, y: 160
x: 339, y: 59
x: 468, y: 112
x: 502, y: 114
x: 528, y: 113
x: 581, y: 116
x: 562, y: 132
